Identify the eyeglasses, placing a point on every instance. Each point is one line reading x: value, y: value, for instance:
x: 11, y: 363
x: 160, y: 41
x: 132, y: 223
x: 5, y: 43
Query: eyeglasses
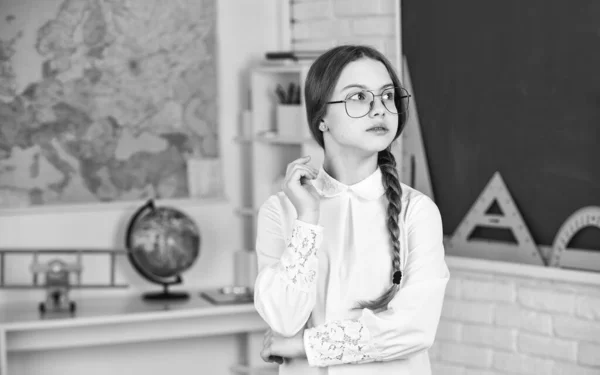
x: 359, y: 104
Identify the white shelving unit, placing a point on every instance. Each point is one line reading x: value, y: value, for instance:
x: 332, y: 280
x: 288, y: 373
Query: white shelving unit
x: 265, y: 158
x: 269, y: 152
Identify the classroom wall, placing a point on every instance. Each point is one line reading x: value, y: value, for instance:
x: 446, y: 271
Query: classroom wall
x: 321, y: 24
x: 241, y: 41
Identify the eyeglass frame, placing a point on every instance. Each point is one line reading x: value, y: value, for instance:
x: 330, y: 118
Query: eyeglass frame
x: 408, y: 96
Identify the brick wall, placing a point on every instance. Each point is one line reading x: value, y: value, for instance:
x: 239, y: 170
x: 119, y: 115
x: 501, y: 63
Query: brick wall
x: 321, y: 24
x: 497, y: 323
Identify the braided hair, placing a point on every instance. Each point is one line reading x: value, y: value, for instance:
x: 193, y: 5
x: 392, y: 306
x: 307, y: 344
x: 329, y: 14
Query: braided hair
x: 320, y: 82
x: 393, y: 193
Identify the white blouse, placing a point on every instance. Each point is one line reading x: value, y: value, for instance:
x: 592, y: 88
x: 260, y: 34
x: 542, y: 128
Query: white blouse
x: 312, y: 276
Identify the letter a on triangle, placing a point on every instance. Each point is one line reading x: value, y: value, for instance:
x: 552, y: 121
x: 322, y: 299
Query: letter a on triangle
x: 524, y: 251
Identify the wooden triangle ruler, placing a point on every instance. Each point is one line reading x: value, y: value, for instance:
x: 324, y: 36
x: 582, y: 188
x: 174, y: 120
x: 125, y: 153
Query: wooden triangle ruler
x: 415, y: 172
x: 524, y: 251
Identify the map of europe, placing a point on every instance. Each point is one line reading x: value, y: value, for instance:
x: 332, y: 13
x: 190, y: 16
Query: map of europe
x: 104, y: 100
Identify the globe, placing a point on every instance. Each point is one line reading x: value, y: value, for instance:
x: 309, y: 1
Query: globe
x: 162, y: 243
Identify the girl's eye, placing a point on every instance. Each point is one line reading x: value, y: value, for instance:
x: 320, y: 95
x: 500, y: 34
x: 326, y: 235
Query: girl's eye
x: 358, y: 96
x: 388, y: 95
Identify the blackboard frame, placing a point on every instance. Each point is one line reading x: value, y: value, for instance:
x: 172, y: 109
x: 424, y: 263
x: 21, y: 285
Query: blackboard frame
x: 499, y: 89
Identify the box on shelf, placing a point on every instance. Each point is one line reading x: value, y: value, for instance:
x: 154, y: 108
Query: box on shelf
x: 290, y: 120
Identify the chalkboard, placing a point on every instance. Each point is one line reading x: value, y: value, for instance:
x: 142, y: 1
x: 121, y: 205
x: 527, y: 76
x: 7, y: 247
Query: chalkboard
x: 510, y: 86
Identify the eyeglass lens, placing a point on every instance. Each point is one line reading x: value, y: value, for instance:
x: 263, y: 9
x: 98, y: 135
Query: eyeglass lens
x: 359, y: 104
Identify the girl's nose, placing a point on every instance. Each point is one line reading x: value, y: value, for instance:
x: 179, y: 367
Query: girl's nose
x: 377, y: 107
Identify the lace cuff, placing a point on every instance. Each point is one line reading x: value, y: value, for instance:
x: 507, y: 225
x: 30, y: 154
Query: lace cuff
x: 338, y: 342
x: 299, y: 261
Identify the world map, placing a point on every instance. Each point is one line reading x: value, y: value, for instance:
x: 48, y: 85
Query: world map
x: 104, y: 100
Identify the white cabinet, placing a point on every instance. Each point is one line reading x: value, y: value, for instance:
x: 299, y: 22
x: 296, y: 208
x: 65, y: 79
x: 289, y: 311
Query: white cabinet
x: 269, y: 151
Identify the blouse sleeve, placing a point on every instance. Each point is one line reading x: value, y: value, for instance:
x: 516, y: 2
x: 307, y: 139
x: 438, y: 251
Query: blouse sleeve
x: 285, y: 288
x: 410, y: 323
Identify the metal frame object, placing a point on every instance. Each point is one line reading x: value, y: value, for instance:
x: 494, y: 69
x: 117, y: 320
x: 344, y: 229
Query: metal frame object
x: 57, y: 275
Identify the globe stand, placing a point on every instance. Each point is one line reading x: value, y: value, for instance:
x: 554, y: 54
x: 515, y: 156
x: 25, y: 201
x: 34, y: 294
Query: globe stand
x: 165, y: 295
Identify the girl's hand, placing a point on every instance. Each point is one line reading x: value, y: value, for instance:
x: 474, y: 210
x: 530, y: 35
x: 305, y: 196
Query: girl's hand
x: 300, y: 191
x: 277, y: 348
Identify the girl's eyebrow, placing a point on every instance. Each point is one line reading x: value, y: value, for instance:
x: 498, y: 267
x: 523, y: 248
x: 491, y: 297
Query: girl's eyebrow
x: 363, y: 87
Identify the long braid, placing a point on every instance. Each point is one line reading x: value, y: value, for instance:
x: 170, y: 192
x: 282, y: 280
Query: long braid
x: 393, y: 193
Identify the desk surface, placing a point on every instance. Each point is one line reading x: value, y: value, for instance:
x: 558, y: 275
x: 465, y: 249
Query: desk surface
x: 128, y: 308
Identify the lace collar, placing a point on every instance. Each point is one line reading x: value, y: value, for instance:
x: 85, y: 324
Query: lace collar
x: 370, y: 188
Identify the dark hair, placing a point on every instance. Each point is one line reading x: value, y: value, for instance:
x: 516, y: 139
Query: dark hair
x: 318, y: 88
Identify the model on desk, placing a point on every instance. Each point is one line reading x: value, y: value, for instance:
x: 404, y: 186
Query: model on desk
x: 57, y: 274
x: 57, y: 283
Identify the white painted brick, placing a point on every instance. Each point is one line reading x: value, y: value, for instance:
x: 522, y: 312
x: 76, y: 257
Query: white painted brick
x: 562, y: 368
x: 388, y: 7
x: 513, y: 316
x: 547, y: 347
x: 391, y: 46
x: 572, y: 328
x: 494, y: 337
x: 321, y: 29
x: 588, y: 307
x: 358, y: 8
x: 589, y: 354
x: 471, y: 371
x: 547, y: 300
x: 311, y: 11
x: 468, y: 311
x: 312, y: 45
x: 468, y: 355
x: 434, y: 350
x: 465, y: 274
x: 448, y: 331
x: 488, y: 291
x: 446, y: 369
x: 377, y: 43
x: 384, y: 26
x: 521, y: 364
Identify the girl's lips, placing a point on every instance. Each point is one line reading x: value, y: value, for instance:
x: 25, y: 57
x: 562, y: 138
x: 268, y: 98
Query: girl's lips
x: 378, y: 131
x: 378, y: 127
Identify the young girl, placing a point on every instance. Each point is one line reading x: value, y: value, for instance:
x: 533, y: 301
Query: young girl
x: 351, y: 262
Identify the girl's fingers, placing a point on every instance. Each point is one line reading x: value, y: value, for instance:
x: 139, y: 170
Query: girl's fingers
x: 265, y: 353
x: 300, y: 171
x: 267, y: 336
x: 300, y: 162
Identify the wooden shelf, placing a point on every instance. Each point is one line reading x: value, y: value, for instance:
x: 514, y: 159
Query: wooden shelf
x: 247, y: 370
x: 246, y: 211
x: 118, y: 321
x: 274, y: 138
x: 269, y: 151
x: 243, y: 139
x: 283, y: 68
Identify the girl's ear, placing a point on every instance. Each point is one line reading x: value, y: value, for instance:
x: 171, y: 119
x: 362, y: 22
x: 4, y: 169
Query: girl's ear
x: 323, y: 126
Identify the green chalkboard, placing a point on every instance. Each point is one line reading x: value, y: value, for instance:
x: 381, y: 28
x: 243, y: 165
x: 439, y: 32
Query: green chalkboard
x: 510, y: 86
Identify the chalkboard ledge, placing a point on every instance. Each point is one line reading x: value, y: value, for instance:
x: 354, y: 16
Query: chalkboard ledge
x: 495, y: 267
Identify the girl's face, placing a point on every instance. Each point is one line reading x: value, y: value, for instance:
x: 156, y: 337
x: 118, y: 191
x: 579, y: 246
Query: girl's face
x: 359, y: 133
